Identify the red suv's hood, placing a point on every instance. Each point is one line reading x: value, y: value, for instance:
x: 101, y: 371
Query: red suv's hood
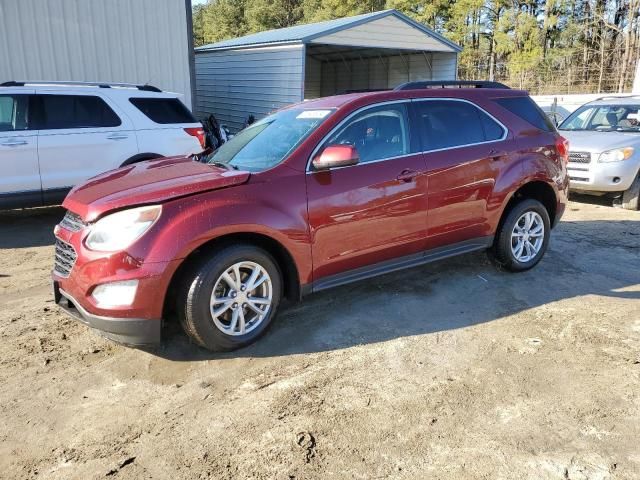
x: 147, y: 182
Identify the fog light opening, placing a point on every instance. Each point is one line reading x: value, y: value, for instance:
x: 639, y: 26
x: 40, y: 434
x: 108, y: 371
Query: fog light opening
x: 616, y: 179
x: 115, y: 294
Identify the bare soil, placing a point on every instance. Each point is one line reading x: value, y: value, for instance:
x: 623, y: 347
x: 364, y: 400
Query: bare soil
x: 451, y: 370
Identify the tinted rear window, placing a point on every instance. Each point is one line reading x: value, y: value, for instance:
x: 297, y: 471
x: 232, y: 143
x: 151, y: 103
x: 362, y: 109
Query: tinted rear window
x: 527, y: 109
x: 450, y: 123
x: 73, y: 111
x: 164, y: 110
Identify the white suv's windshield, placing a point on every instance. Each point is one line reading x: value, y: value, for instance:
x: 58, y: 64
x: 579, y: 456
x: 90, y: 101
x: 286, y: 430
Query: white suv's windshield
x: 266, y: 143
x: 604, y: 118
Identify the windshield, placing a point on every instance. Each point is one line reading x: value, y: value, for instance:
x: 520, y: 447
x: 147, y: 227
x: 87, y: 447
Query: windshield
x: 604, y: 118
x: 266, y: 143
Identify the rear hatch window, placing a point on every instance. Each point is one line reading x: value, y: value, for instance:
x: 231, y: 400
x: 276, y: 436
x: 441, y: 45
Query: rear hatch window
x: 164, y: 110
x: 527, y: 109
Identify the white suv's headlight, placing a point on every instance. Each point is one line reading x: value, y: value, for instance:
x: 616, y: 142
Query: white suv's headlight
x: 616, y: 155
x: 119, y: 230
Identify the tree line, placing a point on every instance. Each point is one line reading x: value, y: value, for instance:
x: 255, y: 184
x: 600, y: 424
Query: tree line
x: 545, y: 46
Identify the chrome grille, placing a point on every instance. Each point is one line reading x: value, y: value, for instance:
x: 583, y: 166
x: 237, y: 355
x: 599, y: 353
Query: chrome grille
x: 65, y: 258
x: 579, y: 157
x: 72, y: 222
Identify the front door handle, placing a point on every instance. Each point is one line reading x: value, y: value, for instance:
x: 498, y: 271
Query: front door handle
x: 117, y: 136
x: 407, y: 175
x: 13, y: 143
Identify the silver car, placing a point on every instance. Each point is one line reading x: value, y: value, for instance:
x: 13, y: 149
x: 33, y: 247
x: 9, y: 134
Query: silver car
x: 604, y: 149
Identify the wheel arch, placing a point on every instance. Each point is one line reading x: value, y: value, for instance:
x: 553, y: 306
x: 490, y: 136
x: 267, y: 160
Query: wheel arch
x: 283, y: 258
x: 536, y: 190
x: 140, y: 157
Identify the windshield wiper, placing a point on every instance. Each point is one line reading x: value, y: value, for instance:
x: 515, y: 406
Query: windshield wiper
x: 226, y: 166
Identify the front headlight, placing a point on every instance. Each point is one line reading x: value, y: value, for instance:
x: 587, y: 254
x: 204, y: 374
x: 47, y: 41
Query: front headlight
x: 119, y: 230
x: 616, y: 155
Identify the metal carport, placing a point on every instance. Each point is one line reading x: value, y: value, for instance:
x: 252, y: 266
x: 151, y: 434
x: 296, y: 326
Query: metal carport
x: 259, y: 73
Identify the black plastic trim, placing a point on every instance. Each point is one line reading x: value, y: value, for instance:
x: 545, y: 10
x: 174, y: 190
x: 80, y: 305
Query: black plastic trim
x: 54, y: 196
x: 27, y: 199
x: 401, y: 263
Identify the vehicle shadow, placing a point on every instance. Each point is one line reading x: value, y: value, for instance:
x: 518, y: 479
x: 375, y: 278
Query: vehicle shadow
x: 585, y: 258
x: 447, y: 295
x: 604, y: 200
x: 29, y: 227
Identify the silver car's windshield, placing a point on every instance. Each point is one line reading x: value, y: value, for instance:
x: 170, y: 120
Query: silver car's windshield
x: 268, y: 142
x: 604, y: 118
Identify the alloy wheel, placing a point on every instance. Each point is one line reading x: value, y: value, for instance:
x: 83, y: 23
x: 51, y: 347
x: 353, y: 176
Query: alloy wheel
x: 241, y: 299
x: 527, y: 237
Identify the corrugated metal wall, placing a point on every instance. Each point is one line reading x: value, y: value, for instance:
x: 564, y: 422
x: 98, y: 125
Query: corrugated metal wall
x: 231, y: 84
x: 134, y: 41
x: 312, y: 78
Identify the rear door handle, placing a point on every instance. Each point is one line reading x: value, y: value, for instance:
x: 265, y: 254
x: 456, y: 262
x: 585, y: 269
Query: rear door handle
x: 13, y: 143
x: 117, y: 136
x: 406, y: 175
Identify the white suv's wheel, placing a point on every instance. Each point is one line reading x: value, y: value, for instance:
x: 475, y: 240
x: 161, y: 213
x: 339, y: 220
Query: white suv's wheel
x: 631, y: 197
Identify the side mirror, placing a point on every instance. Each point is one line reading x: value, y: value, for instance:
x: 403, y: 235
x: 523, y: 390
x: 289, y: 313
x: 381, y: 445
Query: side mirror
x: 336, y: 156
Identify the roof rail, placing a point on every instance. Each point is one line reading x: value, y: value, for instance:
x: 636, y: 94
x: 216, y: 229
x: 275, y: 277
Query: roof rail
x: 147, y: 88
x: 362, y: 90
x: 450, y: 83
x: 621, y: 95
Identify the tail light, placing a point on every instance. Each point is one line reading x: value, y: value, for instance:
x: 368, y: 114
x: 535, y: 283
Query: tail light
x: 562, y: 146
x: 197, y: 132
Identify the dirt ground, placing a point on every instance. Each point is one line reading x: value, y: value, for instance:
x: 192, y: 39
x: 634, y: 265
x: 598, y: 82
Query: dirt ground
x: 451, y: 370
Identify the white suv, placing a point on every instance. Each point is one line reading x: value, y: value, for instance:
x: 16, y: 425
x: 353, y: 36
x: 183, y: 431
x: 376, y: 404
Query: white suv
x: 54, y: 135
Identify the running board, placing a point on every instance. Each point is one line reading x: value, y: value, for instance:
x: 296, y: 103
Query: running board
x: 401, y: 263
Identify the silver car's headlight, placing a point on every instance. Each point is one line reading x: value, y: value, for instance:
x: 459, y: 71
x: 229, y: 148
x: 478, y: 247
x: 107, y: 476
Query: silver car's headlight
x: 616, y: 155
x: 119, y: 230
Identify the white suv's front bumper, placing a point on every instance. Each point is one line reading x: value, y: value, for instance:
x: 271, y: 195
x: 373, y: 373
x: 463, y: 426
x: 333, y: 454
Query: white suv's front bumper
x: 602, y: 177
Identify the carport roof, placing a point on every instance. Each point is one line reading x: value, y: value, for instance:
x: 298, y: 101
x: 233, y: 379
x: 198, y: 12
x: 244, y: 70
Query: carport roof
x: 307, y: 33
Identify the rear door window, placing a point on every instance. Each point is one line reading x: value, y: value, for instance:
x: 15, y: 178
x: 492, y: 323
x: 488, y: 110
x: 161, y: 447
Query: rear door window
x: 527, y: 109
x: 163, y: 110
x: 54, y: 112
x: 13, y: 112
x: 453, y: 123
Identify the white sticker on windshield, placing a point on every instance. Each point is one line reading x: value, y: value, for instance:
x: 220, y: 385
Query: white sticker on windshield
x: 314, y: 114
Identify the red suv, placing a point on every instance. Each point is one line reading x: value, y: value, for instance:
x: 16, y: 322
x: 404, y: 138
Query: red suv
x: 317, y: 195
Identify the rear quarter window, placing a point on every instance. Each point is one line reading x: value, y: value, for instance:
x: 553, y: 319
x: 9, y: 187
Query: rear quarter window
x: 527, y: 109
x: 73, y: 111
x: 164, y: 110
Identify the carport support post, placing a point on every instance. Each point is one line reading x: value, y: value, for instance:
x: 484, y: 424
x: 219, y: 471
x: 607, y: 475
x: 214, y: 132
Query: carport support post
x: 636, y: 80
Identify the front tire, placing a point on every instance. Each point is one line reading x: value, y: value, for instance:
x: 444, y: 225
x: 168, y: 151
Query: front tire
x: 229, y: 298
x: 631, y: 196
x: 523, y: 237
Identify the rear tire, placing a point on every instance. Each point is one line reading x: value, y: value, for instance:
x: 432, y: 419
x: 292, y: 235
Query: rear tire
x: 631, y: 196
x: 219, y: 311
x: 523, y: 236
